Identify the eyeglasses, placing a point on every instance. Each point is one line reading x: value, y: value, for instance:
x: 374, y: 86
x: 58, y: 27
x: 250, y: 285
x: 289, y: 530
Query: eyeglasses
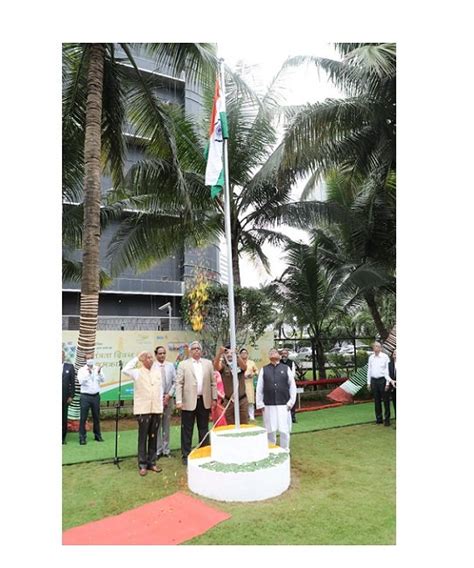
x: 193, y: 348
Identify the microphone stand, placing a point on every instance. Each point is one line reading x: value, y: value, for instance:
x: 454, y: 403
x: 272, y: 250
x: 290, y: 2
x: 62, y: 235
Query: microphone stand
x: 116, y: 459
x: 117, y: 411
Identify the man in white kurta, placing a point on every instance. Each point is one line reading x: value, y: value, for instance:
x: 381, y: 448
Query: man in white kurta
x: 147, y: 407
x: 276, y: 394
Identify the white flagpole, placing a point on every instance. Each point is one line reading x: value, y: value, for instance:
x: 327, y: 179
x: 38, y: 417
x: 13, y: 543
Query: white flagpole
x: 228, y: 238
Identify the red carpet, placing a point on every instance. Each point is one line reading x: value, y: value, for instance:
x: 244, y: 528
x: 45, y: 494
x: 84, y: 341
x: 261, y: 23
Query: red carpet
x: 171, y: 520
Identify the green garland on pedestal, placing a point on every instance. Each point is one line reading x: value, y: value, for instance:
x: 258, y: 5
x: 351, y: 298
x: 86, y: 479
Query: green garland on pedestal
x: 272, y: 460
x: 243, y: 434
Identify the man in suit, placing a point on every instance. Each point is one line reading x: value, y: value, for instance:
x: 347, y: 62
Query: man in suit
x: 285, y: 359
x: 68, y: 392
x: 168, y: 387
x: 392, y: 386
x: 196, y: 393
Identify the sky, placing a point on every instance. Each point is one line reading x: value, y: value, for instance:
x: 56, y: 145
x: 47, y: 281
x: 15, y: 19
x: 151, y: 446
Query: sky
x: 301, y: 85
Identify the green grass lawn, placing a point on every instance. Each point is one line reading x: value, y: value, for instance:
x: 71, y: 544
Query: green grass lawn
x: 342, y: 492
x: 307, y: 422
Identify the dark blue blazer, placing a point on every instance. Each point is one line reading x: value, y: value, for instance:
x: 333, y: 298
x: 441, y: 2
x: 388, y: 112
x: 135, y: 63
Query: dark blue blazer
x: 69, y: 375
x: 391, y: 370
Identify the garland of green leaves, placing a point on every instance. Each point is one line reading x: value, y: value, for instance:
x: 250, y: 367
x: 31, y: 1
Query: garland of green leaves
x: 272, y: 460
x: 243, y: 434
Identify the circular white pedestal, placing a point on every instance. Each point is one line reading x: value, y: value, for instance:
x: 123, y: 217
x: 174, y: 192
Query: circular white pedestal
x: 239, y: 446
x: 224, y: 471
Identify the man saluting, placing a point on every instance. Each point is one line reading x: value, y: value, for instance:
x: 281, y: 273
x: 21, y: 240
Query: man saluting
x: 147, y: 407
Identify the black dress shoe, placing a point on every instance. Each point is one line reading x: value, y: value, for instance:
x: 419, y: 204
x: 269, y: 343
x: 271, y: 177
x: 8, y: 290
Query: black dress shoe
x: 386, y: 423
x: 99, y: 439
x: 185, y: 461
x: 82, y: 442
x: 64, y: 442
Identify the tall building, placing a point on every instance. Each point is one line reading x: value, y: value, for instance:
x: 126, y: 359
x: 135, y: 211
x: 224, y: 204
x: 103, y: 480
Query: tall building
x: 152, y: 299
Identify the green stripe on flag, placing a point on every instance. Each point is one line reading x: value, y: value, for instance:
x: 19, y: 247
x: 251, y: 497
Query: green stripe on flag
x: 359, y: 378
x: 224, y: 125
x: 217, y: 188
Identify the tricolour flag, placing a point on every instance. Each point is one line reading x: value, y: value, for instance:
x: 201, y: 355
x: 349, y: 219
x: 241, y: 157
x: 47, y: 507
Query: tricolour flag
x: 352, y: 386
x: 217, y: 132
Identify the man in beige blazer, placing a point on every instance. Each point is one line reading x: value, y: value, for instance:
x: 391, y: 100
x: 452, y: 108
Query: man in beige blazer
x: 147, y: 407
x: 196, y: 394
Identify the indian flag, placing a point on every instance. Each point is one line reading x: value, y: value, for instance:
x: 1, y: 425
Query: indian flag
x: 351, y: 387
x: 217, y: 132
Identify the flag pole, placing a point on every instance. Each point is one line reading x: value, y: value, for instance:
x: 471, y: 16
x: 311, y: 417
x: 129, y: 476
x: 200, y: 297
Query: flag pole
x: 228, y: 238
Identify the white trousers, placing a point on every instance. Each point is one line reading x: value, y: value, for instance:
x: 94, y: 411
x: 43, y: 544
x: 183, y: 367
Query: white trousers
x: 284, y: 439
x: 251, y: 411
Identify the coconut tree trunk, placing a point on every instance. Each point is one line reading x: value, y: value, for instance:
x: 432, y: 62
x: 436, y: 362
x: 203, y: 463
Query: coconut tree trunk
x: 235, y: 262
x: 320, y: 358
x: 89, y: 307
x: 235, y: 267
x: 370, y: 299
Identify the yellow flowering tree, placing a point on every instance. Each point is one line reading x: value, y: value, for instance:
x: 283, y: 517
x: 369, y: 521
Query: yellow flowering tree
x: 196, y: 300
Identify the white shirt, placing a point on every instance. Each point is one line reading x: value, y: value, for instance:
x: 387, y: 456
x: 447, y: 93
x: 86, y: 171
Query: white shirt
x: 90, y: 380
x: 197, y: 368
x: 169, y: 380
x: 378, y: 367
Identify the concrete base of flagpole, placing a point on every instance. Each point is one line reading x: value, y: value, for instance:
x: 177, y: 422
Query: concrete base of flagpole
x: 240, y: 465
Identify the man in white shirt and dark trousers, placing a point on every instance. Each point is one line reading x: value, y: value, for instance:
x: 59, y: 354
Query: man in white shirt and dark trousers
x: 168, y: 385
x: 377, y: 379
x: 90, y: 378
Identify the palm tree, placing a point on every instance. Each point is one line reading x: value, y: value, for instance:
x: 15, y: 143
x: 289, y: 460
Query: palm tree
x: 259, y: 184
x: 356, y: 234
x: 356, y: 131
x: 310, y: 292
x: 98, y: 87
x: 364, y: 244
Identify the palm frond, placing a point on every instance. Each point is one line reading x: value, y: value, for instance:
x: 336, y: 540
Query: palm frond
x: 72, y: 272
